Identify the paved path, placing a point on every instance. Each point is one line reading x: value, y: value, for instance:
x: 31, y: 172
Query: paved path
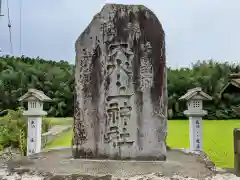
x: 53, y: 133
x: 57, y: 129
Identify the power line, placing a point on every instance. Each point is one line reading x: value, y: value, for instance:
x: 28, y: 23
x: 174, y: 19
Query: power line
x: 9, y: 28
x: 20, y: 33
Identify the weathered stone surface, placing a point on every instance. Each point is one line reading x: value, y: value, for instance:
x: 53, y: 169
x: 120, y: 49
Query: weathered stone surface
x: 120, y: 86
x: 59, y: 164
x: 56, y: 165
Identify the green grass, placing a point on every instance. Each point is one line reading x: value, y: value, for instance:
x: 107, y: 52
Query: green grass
x: 217, y: 139
x: 64, y: 140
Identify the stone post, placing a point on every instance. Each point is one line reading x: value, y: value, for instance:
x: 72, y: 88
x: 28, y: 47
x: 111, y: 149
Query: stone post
x: 34, y: 114
x: 194, y: 98
x: 236, y: 136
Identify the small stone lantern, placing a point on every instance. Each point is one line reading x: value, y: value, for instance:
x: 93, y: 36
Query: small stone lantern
x: 35, y: 99
x: 195, y: 112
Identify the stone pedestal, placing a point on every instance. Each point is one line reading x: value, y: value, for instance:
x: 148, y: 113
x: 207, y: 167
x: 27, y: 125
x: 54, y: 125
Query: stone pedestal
x: 57, y: 164
x: 195, y: 133
x: 34, y: 139
x: 34, y: 135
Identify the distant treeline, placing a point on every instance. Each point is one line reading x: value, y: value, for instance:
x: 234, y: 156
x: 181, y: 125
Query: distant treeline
x: 56, y: 79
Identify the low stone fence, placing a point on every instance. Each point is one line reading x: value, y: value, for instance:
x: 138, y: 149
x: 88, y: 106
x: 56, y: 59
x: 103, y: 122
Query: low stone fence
x: 53, y: 133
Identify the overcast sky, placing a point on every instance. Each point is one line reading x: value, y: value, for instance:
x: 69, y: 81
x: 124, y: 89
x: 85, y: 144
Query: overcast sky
x: 195, y: 29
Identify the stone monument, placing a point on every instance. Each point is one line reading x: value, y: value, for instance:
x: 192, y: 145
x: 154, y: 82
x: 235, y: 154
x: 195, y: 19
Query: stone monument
x: 194, y: 98
x: 35, y: 99
x: 120, y: 108
x: 120, y: 86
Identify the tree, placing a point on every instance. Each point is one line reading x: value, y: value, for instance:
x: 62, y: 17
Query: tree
x: 56, y: 79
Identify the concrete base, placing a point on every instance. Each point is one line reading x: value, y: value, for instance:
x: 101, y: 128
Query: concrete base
x: 59, y: 163
x: 84, y: 154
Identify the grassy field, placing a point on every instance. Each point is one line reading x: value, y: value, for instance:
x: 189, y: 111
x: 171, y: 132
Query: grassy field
x: 217, y: 139
x: 59, y: 121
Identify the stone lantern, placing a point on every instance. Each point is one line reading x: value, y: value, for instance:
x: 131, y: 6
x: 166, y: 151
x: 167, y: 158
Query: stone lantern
x: 34, y: 113
x: 195, y: 112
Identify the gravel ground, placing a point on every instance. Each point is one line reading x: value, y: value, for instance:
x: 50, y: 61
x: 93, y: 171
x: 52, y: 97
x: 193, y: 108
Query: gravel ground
x: 156, y: 176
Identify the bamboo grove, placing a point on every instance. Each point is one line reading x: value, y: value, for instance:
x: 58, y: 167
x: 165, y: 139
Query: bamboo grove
x: 56, y: 79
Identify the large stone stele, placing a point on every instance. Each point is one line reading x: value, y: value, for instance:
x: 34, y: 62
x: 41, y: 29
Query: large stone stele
x: 120, y: 86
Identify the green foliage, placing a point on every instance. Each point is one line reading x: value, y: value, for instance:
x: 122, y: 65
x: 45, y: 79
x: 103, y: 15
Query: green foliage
x: 211, y: 76
x: 18, y: 74
x: 56, y: 79
x: 13, y: 130
x: 22, y: 142
x: 10, y: 128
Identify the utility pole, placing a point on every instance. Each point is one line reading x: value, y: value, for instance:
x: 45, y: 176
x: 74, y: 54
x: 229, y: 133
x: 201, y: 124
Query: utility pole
x: 1, y: 8
x: 1, y: 16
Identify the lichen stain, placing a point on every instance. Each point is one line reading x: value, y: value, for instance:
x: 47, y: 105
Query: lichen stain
x: 96, y: 75
x: 152, y: 31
